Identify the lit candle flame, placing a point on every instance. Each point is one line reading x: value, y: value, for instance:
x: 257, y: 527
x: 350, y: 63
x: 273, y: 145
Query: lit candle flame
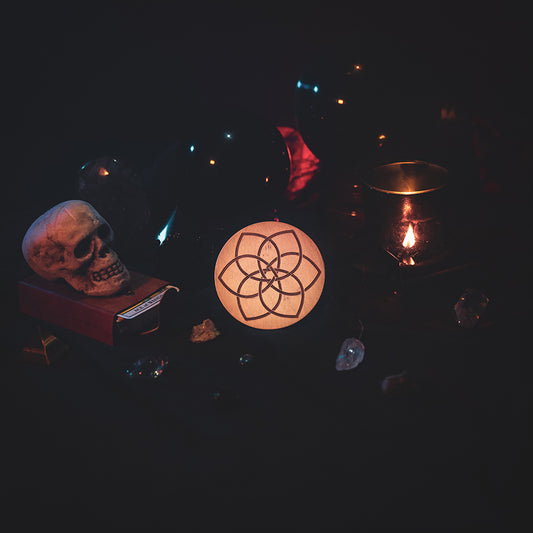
x: 409, y: 240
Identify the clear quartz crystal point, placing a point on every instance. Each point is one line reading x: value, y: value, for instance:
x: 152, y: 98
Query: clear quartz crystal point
x: 351, y: 354
x: 470, y: 307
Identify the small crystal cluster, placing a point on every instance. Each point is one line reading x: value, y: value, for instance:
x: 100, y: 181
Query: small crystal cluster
x: 204, y: 332
x: 351, y: 354
x: 147, y: 367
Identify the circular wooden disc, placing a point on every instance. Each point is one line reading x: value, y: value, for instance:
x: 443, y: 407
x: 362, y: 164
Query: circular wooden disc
x: 269, y: 275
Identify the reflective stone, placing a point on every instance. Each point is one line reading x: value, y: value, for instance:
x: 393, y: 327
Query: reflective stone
x: 470, y: 308
x: 351, y: 354
x: 149, y: 367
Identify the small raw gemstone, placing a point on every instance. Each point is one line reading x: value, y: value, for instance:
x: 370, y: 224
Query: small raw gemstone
x: 147, y: 368
x: 351, y: 354
x: 205, y: 331
x: 470, y: 308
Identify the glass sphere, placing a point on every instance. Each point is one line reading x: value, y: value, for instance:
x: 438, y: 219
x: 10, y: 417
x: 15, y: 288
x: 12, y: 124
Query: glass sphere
x: 112, y: 187
x: 225, y: 171
x: 225, y: 167
x: 355, y: 109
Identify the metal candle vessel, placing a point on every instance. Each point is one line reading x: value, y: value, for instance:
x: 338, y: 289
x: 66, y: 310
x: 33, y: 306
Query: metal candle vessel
x: 405, y: 207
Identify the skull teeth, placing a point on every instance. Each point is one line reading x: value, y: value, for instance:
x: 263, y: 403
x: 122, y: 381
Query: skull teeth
x: 108, y: 272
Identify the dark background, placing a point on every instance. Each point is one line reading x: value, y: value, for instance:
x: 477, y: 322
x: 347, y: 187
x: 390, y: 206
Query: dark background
x: 310, y: 449
x: 119, y: 70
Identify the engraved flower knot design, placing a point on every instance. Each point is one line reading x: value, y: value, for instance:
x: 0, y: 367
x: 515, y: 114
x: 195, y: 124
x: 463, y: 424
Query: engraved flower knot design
x: 269, y: 275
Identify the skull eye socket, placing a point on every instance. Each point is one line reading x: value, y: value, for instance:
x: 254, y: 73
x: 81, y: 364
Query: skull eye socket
x: 83, y: 247
x: 104, y: 231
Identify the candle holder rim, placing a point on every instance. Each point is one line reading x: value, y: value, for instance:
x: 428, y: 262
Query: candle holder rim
x: 441, y: 170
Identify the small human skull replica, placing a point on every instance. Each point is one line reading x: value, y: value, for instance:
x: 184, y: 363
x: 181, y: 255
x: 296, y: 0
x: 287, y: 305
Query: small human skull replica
x: 71, y: 241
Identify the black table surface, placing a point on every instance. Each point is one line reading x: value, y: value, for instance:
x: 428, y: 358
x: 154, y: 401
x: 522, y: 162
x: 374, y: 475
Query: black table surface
x: 303, y: 446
